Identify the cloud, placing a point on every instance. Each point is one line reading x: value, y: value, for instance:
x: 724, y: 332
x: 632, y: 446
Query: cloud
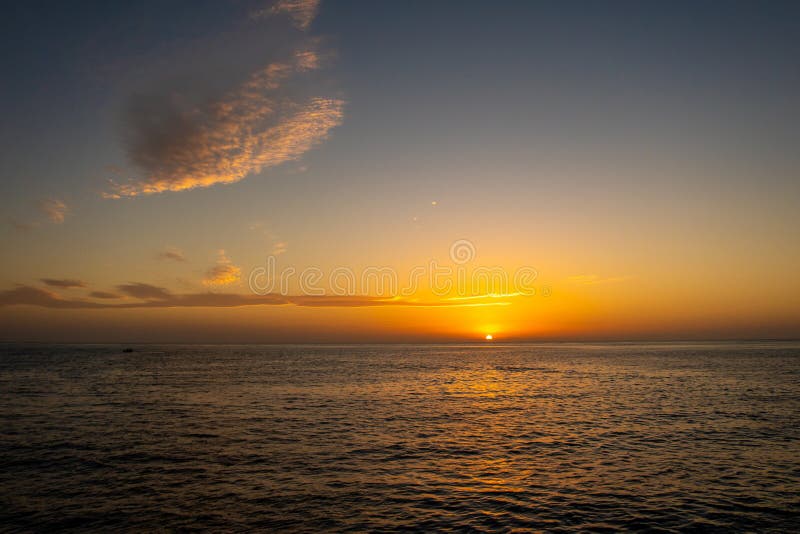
x: 35, y: 296
x: 279, y: 247
x: 223, y: 273
x: 144, y: 291
x: 302, y: 12
x: 65, y: 283
x: 179, y: 144
x: 32, y: 296
x: 172, y: 253
x: 21, y: 226
x: 104, y: 295
x: 54, y: 209
x: 154, y: 297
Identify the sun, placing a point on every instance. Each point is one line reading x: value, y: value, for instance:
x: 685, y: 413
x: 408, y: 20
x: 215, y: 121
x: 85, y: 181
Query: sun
x: 489, y: 337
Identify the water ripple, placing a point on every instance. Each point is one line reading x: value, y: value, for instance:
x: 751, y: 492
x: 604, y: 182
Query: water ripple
x: 659, y: 437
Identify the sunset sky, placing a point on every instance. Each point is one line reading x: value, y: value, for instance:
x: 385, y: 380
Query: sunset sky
x: 641, y: 158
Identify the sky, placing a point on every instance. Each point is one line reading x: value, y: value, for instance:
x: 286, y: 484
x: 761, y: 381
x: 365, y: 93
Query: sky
x: 297, y: 171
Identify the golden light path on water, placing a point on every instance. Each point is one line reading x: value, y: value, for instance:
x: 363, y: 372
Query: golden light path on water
x: 479, y: 437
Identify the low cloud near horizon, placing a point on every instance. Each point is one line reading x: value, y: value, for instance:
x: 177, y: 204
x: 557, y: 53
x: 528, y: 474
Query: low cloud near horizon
x: 104, y: 295
x: 150, y: 296
x: 64, y: 283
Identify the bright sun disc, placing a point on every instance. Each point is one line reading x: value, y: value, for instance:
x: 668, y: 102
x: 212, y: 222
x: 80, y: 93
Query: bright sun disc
x: 489, y: 337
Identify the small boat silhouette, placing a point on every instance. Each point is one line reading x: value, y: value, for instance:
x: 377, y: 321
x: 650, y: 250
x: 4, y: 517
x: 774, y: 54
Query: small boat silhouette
x: 127, y: 350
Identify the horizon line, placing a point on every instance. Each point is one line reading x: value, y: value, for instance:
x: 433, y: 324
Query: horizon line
x: 451, y: 342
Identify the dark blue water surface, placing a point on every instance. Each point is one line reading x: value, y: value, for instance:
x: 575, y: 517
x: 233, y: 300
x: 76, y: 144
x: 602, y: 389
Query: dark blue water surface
x: 557, y: 437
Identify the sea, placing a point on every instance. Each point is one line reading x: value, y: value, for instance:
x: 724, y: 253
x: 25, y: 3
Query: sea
x: 561, y: 437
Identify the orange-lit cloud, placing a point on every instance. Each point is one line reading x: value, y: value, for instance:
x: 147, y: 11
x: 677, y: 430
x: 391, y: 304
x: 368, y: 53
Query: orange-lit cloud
x: 490, y: 296
x: 63, y: 283
x: 54, y: 209
x: 180, y: 145
x: 279, y: 247
x: 223, y: 273
x: 150, y: 296
x: 172, y: 253
x: 302, y: 12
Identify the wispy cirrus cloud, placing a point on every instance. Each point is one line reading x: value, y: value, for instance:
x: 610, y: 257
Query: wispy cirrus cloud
x: 64, y: 283
x: 302, y: 12
x: 223, y: 273
x: 55, y: 209
x: 172, y: 253
x: 279, y: 247
x: 178, y: 141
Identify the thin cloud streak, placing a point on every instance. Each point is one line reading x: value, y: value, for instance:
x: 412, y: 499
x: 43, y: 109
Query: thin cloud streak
x: 64, y: 283
x: 302, y: 12
x: 143, y: 291
x: 104, y: 295
x: 490, y: 296
x: 279, y: 247
x: 172, y: 253
x: 55, y: 209
x: 158, y: 297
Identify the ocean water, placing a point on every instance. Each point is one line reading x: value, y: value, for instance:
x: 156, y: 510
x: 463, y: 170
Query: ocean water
x: 561, y: 437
